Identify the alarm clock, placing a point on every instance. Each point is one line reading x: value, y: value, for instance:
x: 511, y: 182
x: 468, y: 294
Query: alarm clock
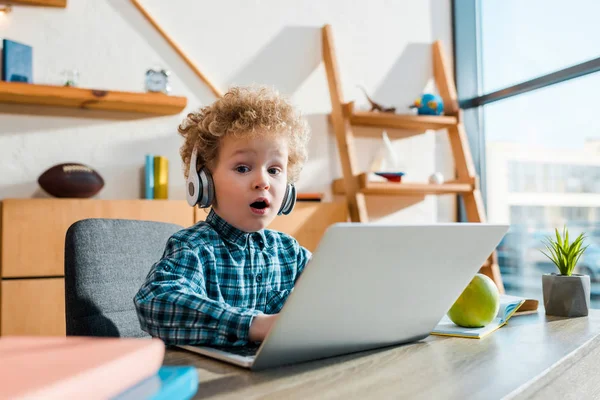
x: 157, y: 80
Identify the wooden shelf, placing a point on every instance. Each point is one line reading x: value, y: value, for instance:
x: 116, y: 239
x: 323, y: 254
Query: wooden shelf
x: 403, y: 189
x: 397, y: 121
x: 309, y: 196
x: 42, y: 3
x: 61, y: 96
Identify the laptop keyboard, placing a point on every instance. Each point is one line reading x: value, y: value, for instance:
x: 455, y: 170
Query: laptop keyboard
x: 245, y: 351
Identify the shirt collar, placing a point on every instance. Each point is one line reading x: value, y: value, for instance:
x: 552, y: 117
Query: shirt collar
x: 234, y: 235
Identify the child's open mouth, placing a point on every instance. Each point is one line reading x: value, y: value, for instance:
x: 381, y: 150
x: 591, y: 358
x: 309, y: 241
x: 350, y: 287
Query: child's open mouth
x: 260, y: 206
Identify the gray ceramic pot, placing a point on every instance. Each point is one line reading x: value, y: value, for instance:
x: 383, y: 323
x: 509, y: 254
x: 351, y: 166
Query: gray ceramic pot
x: 566, y: 296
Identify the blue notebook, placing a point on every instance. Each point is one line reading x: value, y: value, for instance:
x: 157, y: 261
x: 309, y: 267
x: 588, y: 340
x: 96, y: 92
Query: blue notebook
x: 169, y: 383
x: 17, y: 59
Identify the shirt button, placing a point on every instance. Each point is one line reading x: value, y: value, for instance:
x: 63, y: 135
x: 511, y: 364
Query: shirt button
x: 259, y: 278
x: 167, y: 268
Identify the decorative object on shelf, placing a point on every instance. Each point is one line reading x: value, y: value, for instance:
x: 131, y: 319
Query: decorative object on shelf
x: 71, y: 77
x: 391, y: 176
x: 429, y: 104
x: 436, y: 178
x: 565, y: 294
x: 157, y: 80
x: 386, y: 162
x: 17, y: 60
x: 71, y: 180
x: 376, y: 106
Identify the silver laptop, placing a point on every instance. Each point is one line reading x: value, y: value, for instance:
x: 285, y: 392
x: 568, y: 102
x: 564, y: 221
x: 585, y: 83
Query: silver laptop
x: 370, y: 286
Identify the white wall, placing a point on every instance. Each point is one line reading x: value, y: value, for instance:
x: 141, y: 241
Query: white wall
x: 382, y: 45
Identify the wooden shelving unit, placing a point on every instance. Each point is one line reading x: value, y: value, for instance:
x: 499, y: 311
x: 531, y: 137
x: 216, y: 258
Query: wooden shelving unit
x: 41, y: 3
x: 356, y: 185
x: 72, y: 97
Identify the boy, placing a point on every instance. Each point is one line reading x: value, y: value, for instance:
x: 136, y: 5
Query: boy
x: 223, y: 281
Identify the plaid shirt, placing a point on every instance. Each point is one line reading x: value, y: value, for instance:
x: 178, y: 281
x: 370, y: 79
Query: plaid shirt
x: 213, y: 279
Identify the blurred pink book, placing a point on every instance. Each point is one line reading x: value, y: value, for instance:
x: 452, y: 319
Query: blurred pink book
x: 75, y: 367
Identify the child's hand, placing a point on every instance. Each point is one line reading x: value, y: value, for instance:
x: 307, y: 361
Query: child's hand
x: 260, y: 327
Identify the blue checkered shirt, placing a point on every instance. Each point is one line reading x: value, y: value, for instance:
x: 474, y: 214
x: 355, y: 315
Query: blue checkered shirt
x: 213, y: 279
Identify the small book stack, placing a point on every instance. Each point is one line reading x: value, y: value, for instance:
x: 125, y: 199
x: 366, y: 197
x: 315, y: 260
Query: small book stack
x: 90, y: 368
x: 156, y: 177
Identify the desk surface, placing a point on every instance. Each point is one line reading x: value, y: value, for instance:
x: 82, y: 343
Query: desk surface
x: 531, y: 356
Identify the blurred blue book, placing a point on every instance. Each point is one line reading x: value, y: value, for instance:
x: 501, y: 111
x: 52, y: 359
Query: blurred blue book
x: 169, y: 383
x: 149, y: 177
x: 17, y: 61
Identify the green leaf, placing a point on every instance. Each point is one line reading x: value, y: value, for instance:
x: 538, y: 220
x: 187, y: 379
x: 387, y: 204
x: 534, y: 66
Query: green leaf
x: 579, y: 255
x: 551, y: 258
x: 558, y: 238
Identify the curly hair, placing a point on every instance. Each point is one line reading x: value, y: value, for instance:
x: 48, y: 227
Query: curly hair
x: 244, y: 112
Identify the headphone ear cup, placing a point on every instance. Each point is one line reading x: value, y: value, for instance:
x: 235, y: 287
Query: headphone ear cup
x: 289, y: 200
x: 193, y: 188
x: 210, y: 189
x: 207, y: 189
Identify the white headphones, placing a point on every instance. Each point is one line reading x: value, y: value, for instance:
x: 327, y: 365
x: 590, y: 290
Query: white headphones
x: 200, y: 189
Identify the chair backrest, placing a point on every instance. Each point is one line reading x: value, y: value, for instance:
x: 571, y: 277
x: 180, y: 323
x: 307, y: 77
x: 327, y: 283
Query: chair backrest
x: 106, y: 262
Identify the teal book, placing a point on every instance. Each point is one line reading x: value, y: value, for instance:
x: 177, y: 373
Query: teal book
x: 169, y: 383
x: 509, y: 305
x: 17, y: 61
x: 149, y: 177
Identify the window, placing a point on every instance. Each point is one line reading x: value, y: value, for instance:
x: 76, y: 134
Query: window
x: 532, y: 124
x: 522, y: 40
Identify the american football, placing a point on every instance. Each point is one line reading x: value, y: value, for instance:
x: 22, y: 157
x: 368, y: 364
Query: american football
x: 71, y: 180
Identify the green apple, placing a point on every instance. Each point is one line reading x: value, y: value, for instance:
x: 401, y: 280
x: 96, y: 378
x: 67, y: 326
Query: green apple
x: 478, y: 304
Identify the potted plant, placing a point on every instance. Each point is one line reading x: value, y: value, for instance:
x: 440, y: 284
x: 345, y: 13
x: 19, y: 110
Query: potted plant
x: 565, y: 294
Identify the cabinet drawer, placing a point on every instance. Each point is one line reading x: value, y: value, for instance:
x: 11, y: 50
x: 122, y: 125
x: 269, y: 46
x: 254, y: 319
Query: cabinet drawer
x: 33, y: 230
x: 33, y: 307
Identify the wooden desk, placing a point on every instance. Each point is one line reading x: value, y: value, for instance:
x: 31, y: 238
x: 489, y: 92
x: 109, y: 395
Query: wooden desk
x: 534, y: 356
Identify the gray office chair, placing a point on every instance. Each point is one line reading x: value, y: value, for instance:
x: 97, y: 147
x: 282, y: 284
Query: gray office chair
x: 106, y: 262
